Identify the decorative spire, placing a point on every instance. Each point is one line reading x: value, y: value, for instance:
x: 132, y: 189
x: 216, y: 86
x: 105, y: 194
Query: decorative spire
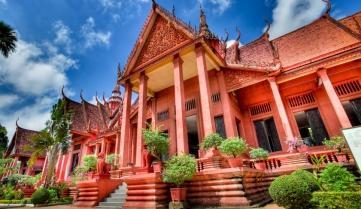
x: 266, y: 32
x: 120, y: 72
x: 203, y: 26
x: 227, y: 36
x: 328, y: 8
x: 116, y: 99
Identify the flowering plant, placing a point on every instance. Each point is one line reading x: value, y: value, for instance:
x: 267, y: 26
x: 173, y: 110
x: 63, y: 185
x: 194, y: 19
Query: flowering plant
x: 294, y: 144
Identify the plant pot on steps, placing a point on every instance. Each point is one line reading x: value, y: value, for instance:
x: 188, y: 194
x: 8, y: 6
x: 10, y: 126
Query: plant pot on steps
x: 260, y: 165
x: 157, y: 167
x: 235, y: 162
x: 178, y: 194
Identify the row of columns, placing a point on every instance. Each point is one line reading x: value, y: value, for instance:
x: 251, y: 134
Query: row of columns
x: 331, y: 93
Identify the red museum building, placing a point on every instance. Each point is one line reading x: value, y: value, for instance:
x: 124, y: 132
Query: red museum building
x: 304, y: 84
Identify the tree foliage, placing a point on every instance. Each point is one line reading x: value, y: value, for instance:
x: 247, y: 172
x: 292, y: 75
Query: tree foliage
x: 179, y: 169
x: 233, y: 146
x: 335, y: 178
x: 7, y: 39
x: 213, y: 140
x: 157, y: 142
x: 3, y: 139
x: 53, y: 140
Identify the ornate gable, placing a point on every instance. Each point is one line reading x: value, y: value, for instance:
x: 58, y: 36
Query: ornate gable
x: 162, y: 38
x: 236, y: 79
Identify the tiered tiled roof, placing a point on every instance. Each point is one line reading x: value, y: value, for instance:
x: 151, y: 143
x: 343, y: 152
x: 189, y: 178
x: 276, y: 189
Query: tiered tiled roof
x: 323, y: 37
x: 20, y: 139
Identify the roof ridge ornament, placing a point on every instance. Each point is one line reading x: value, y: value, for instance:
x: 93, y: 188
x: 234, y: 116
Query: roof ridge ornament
x: 266, y: 32
x: 62, y: 92
x: 238, y: 34
x: 104, y: 100
x: 328, y: 8
x: 120, y: 72
x: 203, y: 26
x: 17, y: 122
x: 81, y: 95
x: 173, y: 11
x: 96, y: 97
x: 154, y: 4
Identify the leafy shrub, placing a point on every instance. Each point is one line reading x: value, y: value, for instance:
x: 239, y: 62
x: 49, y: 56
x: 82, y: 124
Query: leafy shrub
x: 29, y: 180
x: 157, y: 142
x: 68, y: 199
x: 337, y: 179
x: 180, y: 169
x: 14, y: 179
x: 336, y: 200
x: 53, y: 193
x: 90, y: 163
x: 294, y: 191
x: 40, y: 196
x: 258, y: 153
x: 18, y: 195
x: 211, y: 141
x: 9, y: 192
x: 336, y: 142
x: 10, y: 195
x: 233, y: 146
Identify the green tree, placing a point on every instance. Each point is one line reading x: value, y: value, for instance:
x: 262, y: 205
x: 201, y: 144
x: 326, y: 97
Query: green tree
x: 7, y: 39
x: 3, y: 139
x: 53, y: 140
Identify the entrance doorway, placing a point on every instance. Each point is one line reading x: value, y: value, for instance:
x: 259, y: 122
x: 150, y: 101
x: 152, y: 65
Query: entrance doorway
x: 193, y: 140
x: 267, y: 135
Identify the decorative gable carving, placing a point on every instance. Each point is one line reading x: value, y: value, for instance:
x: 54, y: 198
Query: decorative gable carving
x: 162, y: 37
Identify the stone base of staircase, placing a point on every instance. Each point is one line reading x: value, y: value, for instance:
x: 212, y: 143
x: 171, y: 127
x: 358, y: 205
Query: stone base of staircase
x: 116, y: 199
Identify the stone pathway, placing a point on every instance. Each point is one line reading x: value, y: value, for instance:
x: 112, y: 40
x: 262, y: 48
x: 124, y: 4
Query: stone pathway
x: 270, y: 206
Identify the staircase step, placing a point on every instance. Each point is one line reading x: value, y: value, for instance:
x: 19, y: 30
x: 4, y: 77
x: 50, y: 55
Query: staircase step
x: 115, y: 204
x: 114, y: 199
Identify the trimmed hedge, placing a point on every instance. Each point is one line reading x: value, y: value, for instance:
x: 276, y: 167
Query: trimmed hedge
x: 294, y: 191
x: 23, y: 201
x: 337, y: 200
x: 40, y: 196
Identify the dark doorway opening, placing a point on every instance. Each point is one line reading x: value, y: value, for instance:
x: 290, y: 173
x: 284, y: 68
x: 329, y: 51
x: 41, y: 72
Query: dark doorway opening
x: 193, y: 140
x: 353, y: 111
x: 311, y: 127
x: 267, y: 135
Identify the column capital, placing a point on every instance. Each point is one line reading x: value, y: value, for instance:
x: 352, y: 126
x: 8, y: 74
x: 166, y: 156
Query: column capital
x: 322, y: 72
x: 198, y: 47
x: 177, y: 60
x: 271, y: 79
x: 143, y: 75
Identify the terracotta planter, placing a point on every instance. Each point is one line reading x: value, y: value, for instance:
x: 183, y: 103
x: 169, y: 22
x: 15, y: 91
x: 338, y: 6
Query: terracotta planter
x: 260, y: 165
x: 178, y: 194
x: 341, y: 157
x: 235, y: 162
x: 157, y: 167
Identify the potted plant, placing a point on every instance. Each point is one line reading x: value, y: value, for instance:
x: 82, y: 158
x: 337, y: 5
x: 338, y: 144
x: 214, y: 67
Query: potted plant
x: 178, y: 170
x: 110, y: 160
x: 259, y: 155
x: 212, y: 142
x: 294, y: 144
x: 157, y: 144
x: 90, y: 165
x: 338, y: 143
x: 234, y: 147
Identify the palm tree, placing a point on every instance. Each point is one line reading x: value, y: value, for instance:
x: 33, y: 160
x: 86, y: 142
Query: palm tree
x: 7, y: 39
x: 53, y: 140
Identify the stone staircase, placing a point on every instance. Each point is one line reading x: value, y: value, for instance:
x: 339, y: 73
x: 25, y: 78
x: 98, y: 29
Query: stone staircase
x: 116, y: 199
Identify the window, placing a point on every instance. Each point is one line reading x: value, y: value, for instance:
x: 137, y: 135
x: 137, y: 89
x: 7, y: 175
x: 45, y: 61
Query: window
x: 267, y: 135
x: 353, y: 111
x: 220, y: 129
x: 75, y: 162
x: 311, y: 127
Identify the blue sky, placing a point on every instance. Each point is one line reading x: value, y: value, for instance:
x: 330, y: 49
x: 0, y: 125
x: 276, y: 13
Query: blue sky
x: 79, y: 43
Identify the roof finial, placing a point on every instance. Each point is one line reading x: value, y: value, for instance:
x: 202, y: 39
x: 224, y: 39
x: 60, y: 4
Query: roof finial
x: 238, y: 34
x: 328, y: 8
x: 120, y: 72
x: 266, y: 32
x: 227, y: 35
x: 173, y: 11
x: 81, y: 95
x: 16, y: 123
x: 96, y: 97
x: 154, y: 4
x: 62, y: 92
x: 104, y: 100
x: 203, y: 26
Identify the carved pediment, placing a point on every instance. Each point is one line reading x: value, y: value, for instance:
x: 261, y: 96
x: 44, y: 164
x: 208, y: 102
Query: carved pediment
x: 162, y: 37
x: 236, y: 79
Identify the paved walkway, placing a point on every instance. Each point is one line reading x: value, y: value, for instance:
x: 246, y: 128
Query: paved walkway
x: 270, y: 206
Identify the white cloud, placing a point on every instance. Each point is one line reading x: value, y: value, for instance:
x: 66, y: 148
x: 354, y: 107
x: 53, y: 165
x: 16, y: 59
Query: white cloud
x: 108, y: 4
x: 3, y: 2
x: 33, y: 72
x: 116, y: 17
x: 7, y: 100
x: 62, y: 35
x: 219, y: 5
x: 93, y: 37
x: 33, y: 116
x: 289, y: 15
